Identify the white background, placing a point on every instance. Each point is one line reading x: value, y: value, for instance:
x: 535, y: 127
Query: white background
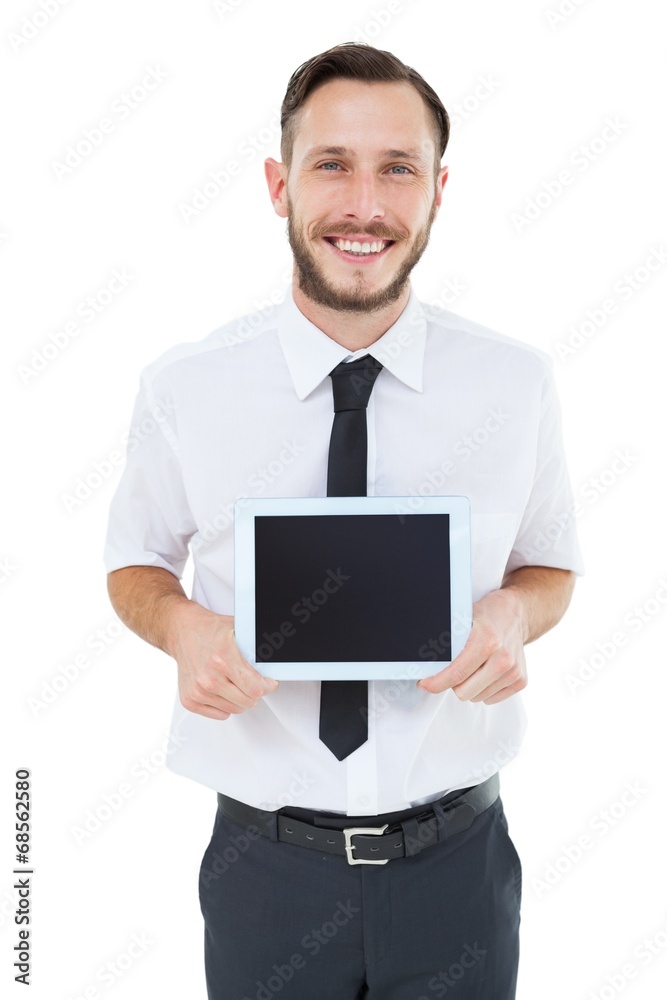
x: 551, y: 85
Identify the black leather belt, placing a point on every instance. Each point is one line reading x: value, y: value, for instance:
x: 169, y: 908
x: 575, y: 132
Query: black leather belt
x: 371, y: 845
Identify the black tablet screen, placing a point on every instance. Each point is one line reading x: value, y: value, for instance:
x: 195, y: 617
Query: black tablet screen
x: 352, y: 587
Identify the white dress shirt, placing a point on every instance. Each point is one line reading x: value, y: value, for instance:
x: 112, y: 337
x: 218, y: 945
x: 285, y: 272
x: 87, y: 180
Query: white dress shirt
x: 247, y: 412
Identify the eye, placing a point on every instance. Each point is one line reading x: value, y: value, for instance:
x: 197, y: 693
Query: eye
x: 400, y: 168
x: 329, y: 165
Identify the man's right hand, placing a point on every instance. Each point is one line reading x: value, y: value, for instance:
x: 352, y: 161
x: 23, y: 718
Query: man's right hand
x: 213, y: 677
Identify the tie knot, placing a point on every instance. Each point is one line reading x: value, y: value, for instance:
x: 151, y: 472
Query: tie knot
x: 353, y: 382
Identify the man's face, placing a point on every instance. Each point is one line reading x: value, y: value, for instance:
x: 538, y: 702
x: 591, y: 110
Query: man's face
x: 361, y: 192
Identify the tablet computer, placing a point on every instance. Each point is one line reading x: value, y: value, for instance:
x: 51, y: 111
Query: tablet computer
x: 339, y: 588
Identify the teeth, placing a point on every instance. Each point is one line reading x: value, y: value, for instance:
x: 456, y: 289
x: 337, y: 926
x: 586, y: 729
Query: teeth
x: 377, y: 246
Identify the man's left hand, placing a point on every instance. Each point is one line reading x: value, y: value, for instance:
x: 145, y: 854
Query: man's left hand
x: 492, y: 665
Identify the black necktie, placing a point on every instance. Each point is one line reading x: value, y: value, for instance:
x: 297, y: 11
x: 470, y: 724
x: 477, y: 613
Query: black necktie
x: 344, y: 704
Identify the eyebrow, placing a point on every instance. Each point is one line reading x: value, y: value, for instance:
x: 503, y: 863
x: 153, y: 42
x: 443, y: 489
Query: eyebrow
x: 327, y: 151
x: 392, y: 154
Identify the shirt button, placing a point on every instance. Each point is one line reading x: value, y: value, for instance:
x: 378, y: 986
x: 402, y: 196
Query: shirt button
x: 363, y: 800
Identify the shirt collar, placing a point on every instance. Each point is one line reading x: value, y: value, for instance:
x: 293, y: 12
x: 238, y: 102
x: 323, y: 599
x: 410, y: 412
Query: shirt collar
x: 311, y: 355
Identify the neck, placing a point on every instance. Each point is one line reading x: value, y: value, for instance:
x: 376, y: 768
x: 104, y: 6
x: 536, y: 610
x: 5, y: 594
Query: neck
x: 352, y: 330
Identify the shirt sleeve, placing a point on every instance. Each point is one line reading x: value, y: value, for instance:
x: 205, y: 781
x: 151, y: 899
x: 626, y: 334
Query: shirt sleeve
x: 547, y: 534
x: 150, y: 522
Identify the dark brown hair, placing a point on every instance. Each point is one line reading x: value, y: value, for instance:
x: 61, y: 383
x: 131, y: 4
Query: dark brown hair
x: 354, y: 61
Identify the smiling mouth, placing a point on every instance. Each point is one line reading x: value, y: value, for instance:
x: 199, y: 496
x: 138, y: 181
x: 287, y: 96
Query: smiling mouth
x: 357, y: 248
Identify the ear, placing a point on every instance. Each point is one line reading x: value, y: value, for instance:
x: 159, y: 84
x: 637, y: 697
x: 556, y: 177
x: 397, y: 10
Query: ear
x: 276, y: 179
x: 443, y: 174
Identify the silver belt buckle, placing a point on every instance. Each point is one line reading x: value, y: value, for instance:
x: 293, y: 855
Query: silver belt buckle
x: 351, y: 832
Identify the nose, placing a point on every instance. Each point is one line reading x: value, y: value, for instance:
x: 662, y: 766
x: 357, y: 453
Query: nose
x: 363, y: 201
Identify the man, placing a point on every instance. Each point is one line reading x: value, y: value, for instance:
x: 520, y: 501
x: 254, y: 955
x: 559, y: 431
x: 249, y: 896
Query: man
x: 453, y: 404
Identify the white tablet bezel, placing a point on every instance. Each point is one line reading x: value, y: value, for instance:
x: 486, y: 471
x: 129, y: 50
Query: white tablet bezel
x: 247, y: 508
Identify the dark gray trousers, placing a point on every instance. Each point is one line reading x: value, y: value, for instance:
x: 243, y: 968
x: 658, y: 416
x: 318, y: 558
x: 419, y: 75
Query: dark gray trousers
x: 289, y: 923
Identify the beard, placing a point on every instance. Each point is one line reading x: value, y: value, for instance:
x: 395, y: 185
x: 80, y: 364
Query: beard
x: 314, y: 283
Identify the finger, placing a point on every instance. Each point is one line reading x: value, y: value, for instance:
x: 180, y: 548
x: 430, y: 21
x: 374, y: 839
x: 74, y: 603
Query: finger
x: 249, y: 681
x: 506, y: 692
x: 498, y: 671
x: 456, y: 673
x: 210, y: 712
x: 221, y: 693
x: 493, y: 686
x: 200, y: 703
x: 213, y: 694
x: 244, y: 675
x: 212, y: 704
x: 232, y: 678
x: 513, y: 676
x: 473, y: 655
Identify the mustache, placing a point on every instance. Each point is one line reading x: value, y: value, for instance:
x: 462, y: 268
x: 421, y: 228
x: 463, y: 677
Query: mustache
x: 374, y: 230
